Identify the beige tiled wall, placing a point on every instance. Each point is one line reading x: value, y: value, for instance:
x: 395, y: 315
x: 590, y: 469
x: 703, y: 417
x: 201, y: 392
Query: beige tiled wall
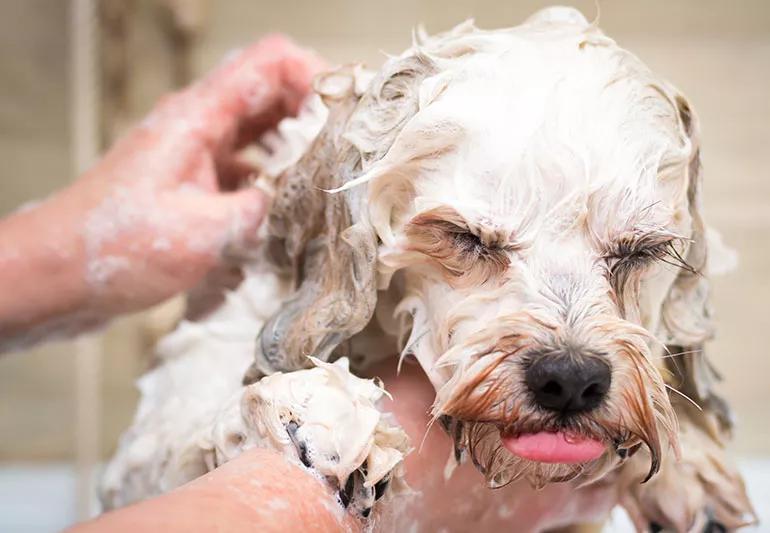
x: 717, y: 52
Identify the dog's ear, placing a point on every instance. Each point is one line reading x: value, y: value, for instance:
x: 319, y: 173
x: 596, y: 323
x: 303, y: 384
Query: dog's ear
x: 314, y: 240
x: 686, y: 312
x: 323, y: 241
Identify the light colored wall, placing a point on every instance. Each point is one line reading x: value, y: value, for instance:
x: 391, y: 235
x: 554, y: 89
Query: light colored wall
x: 717, y: 52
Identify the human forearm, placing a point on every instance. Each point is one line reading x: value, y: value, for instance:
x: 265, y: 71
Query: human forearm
x: 258, y: 491
x: 43, y: 285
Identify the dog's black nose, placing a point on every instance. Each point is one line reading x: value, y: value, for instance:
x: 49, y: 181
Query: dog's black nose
x: 568, y: 383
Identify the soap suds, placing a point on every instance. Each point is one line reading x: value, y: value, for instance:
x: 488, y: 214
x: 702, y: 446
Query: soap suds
x: 101, y: 270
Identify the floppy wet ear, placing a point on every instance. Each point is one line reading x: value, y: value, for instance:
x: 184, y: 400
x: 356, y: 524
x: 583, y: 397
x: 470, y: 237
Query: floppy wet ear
x: 704, y: 416
x: 314, y: 240
x: 324, y: 241
x: 686, y: 311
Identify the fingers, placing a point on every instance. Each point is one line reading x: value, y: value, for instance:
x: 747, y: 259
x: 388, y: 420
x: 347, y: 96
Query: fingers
x: 264, y: 108
x: 299, y: 68
x: 250, y: 92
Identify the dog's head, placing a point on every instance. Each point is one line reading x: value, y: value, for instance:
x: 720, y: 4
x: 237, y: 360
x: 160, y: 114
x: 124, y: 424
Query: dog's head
x: 530, y: 195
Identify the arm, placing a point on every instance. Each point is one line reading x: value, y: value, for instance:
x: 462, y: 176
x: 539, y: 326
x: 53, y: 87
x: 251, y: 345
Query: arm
x: 258, y: 491
x: 159, y: 211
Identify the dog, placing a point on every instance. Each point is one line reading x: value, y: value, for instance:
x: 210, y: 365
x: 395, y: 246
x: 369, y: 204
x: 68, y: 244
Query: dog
x: 519, y: 211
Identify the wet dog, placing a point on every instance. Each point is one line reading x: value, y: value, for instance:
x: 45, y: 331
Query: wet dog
x: 518, y: 210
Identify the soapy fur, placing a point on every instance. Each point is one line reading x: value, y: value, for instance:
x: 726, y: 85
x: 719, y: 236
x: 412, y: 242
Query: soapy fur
x: 486, y: 197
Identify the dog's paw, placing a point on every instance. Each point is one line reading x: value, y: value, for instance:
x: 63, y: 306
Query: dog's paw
x: 326, y: 418
x: 700, y: 493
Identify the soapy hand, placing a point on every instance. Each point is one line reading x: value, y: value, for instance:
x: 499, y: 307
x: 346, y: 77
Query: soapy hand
x: 166, y: 205
x: 172, y: 199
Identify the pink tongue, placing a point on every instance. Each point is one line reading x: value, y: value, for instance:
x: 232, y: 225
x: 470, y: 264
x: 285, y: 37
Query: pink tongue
x: 554, y: 447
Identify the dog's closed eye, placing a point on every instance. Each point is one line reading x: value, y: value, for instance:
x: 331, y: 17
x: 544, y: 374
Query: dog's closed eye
x: 633, y: 253
x: 444, y: 236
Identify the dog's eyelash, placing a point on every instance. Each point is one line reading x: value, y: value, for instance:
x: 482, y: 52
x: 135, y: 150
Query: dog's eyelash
x: 631, y: 255
x: 467, y: 242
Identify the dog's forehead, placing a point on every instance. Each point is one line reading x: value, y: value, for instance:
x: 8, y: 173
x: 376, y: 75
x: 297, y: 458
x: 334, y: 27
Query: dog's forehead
x: 566, y: 126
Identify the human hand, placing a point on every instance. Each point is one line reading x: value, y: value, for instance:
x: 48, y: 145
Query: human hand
x: 166, y: 205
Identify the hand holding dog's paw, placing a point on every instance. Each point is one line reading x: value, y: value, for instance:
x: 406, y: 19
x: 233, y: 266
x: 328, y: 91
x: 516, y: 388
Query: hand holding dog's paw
x: 327, y: 419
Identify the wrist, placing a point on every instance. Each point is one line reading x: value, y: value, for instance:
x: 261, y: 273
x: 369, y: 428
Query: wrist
x: 43, y: 291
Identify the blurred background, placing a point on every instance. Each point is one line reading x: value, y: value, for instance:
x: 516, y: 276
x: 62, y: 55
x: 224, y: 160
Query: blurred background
x: 74, y: 74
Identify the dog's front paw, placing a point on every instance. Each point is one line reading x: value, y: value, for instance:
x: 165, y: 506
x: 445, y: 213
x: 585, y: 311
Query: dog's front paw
x: 700, y: 493
x: 327, y: 419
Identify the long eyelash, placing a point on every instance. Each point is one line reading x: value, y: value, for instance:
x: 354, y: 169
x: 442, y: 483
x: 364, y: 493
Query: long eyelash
x: 678, y: 260
x: 627, y: 254
x: 469, y: 242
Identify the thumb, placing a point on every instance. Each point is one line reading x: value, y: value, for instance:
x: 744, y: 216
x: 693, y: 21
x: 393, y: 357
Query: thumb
x: 244, y: 211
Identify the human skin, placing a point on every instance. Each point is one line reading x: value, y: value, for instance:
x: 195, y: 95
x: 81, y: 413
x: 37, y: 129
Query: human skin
x: 262, y: 491
x: 258, y: 491
x: 164, y: 207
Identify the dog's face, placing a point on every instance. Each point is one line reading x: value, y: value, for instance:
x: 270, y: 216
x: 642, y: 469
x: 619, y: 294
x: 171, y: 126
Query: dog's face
x: 537, y: 249
x: 531, y: 196
x: 537, y: 240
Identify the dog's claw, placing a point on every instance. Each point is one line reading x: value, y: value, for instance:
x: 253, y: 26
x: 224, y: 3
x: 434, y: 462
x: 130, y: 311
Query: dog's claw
x: 359, y: 498
x: 291, y: 429
x: 380, y: 487
x: 353, y: 485
x: 354, y: 495
x: 346, y: 493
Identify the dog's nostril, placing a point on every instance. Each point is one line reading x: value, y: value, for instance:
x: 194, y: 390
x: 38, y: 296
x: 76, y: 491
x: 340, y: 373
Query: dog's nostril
x: 592, y: 391
x: 565, y: 383
x: 552, y: 388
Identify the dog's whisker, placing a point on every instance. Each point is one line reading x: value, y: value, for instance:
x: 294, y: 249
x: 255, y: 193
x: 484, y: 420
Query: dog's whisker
x: 683, y: 395
x: 679, y: 354
x: 428, y: 427
x: 408, y: 350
